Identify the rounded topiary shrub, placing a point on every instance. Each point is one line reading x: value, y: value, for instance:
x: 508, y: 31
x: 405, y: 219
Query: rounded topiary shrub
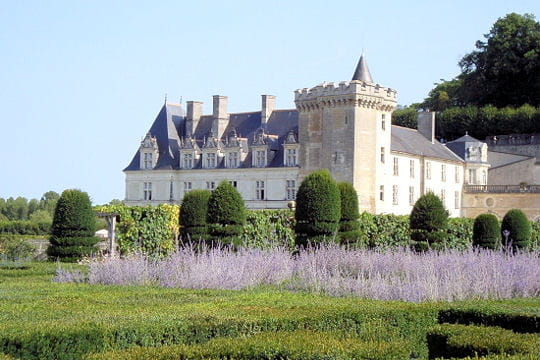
x: 226, y: 214
x: 486, y: 231
x: 193, y: 215
x: 349, y: 227
x: 428, y: 222
x: 72, y: 231
x: 318, y: 209
x: 516, y: 222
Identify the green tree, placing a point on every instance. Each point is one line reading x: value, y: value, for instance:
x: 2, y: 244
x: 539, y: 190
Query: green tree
x: 318, y: 208
x: 349, y: 226
x: 444, y: 95
x: 504, y: 69
x: 486, y: 231
x: 48, y: 201
x: 428, y: 222
x: 515, y: 221
x: 226, y: 214
x: 406, y: 117
x: 72, y: 233
x: 193, y: 215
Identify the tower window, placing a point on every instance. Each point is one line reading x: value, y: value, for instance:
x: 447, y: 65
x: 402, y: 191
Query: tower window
x: 381, y: 193
x: 147, y: 192
x: 259, y: 190
x: 382, y: 154
x: 383, y: 122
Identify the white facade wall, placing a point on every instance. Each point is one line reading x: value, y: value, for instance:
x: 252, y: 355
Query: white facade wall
x: 275, y: 184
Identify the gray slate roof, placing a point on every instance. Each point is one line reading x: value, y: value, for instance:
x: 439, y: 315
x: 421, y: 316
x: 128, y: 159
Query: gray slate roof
x: 496, y: 158
x: 410, y: 141
x: 459, y: 146
x: 169, y: 128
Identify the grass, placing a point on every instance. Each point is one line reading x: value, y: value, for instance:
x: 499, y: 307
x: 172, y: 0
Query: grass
x: 46, y: 320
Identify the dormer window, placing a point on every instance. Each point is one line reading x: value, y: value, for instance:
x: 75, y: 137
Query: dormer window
x: 210, y: 160
x: 232, y: 161
x: 291, y: 157
x: 188, y: 161
x: 260, y: 158
x: 148, y: 152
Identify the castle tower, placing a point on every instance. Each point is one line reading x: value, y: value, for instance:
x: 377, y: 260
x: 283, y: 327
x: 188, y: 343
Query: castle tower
x: 347, y: 130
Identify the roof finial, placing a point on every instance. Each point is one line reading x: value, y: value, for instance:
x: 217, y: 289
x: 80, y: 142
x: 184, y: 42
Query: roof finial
x: 165, y: 98
x: 466, y: 133
x: 180, y: 100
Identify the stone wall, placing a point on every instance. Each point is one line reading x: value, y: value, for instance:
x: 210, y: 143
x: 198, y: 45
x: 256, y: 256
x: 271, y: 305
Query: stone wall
x: 499, y: 203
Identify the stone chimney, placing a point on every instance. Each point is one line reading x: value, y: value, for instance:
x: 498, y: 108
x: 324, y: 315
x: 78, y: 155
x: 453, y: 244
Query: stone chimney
x: 268, y: 105
x: 220, y: 116
x: 194, y: 113
x: 426, y: 125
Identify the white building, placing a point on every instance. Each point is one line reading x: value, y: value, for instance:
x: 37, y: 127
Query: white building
x: 265, y: 154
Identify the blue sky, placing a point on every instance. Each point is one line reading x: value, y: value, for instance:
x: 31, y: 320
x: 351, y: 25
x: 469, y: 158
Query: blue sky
x: 82, y: 81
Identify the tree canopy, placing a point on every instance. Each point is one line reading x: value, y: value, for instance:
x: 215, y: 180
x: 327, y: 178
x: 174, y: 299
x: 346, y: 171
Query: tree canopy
x: 504, y: 70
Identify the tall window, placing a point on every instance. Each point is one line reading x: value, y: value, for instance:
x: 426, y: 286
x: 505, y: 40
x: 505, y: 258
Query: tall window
x: 233, y: 183
x: 382, y: 154
x: 457, y: 174
x: 472, y: 176
x: 259, y: 190
x: 484, y: 177
x: 456, y: 199
x: 211, y: 160
x: 395, y: 194
x: 210, y: 185
x: 428, y: 170
x: 291, y: 157
x: 411, y: 169
x: 411, y: 195
x: 443, y: 172
x: 381, y: 193
x: 291, y: 189
x: 443, y: 196
x: 187, y: 186
x: 147, y: 160
x: 383, y: 122
x: 147, y: 193
x: 261, y: 158
x: 188, y: 161
x: 396, y: 166
x: 233, y: 159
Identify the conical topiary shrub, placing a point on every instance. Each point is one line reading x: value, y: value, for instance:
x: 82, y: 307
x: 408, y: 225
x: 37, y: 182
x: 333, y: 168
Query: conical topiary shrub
x: 349, y: 227
x: 226, y: 215
x: 428, y: 222
x: 193, y: 215
x: 486, y: 231
x: 515, y: 221
x: 73, y: 227
x: 318, y: 209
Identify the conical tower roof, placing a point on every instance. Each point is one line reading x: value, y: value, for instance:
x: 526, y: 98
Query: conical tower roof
x: 362, y: 71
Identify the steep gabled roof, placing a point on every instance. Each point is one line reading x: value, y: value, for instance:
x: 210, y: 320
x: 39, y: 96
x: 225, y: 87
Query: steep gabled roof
x: 165, y: 129
x: 410, y: 141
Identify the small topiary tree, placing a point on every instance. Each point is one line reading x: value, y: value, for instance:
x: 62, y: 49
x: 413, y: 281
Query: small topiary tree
x: 349, y: 227
x: 516, y: 222
x: 428, y: 222
x: 226, y: 215
x: 72, y: 232
x: 193, y: 215
x: 486, y: 231
x: 318, y: 209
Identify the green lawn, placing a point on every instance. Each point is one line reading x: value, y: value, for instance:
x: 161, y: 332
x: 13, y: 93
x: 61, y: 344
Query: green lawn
x: 45, y: 320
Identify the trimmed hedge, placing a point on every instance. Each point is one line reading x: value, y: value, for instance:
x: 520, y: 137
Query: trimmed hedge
x: 318, y: 208
x: 487, y: 231
x: 296, y: 345
x: 72, y: 232
x: 268, y: 228
x: 428, y: 222
x: 25, y: 227
x: 349, y: 227
x: 519, y: 226
x: 450, y: 340
x: 193, y: 223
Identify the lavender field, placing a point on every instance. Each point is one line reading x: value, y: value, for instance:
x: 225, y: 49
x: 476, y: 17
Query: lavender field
x: 336, y: 271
